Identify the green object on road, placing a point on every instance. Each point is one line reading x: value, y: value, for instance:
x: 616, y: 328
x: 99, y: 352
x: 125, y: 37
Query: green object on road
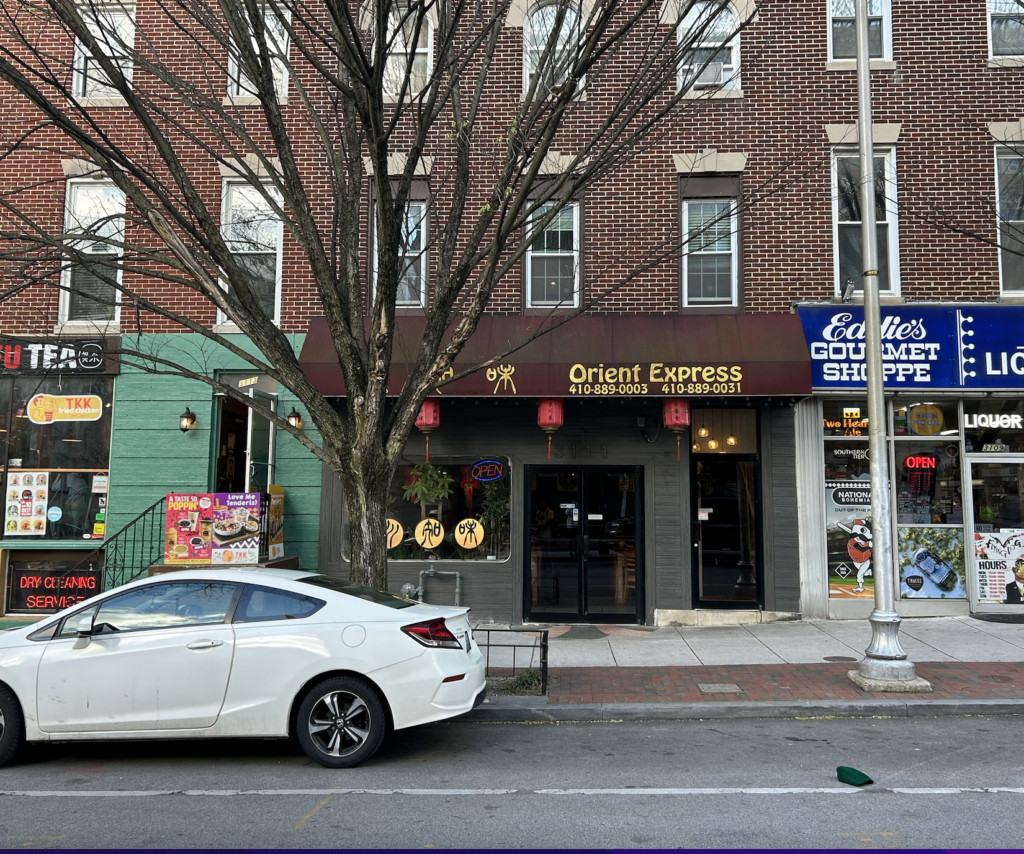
x: 852, y: 776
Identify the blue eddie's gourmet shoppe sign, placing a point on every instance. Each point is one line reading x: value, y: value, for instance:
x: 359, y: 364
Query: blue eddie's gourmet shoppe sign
x: 968, y: 347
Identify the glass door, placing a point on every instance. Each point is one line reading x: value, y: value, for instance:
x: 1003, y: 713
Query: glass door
x: 584, y: 544
x: 725, y: 526
x: 997, y: 518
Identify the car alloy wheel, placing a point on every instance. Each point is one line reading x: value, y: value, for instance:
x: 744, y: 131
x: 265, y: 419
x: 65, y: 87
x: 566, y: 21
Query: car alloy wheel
x: 341, y: 722
x: 12, y: 726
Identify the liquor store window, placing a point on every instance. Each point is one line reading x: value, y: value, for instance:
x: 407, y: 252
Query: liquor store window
x: 54, y: 454
x: 458, y: 509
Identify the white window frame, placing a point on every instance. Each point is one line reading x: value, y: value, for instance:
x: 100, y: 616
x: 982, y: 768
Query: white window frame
x: 692, y: 250
x: 75, y: 222
x: 996, y: 9
x: 238, y: 84
x: 878, y: 10
x: 574, y: 254
x: 399, y: 53
x: 411, y: 259
x: 890, y: 260
x: 534, y: 42
x: 1005, y: 221
x: 112, y: 24
x: 228, y: 189
x: 712, y: 39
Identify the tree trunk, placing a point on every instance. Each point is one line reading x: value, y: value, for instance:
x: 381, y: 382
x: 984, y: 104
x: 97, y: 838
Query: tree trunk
x: 366, y: 502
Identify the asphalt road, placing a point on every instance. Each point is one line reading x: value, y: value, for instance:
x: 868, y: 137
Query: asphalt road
x: 946, y: 782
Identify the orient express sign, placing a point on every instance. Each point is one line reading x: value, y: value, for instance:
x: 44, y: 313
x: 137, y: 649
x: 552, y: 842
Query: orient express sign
x: 654, y: 378
x: 55, y: 355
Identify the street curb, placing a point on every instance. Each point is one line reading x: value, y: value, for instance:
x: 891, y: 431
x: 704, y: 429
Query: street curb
x: 537, y: 709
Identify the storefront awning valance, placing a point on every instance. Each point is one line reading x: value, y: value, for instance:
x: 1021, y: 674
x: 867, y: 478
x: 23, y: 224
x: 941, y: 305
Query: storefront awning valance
x: 603, y: 356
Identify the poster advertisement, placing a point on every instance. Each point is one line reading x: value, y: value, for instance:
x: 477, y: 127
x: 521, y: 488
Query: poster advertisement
x: 188, y: 528
x: 1000, y: 576
x: 27, y: 495
x: 931, y: 563
x: 849, y: 538
x: 275, y: 522
x: 236, y: 528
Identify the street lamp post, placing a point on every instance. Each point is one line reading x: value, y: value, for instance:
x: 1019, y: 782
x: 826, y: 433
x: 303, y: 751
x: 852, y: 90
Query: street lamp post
x: 885, y: 666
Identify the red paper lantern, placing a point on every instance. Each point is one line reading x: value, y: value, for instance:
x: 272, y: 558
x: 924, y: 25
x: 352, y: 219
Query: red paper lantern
x: 550, y: 416
x: 428, y: 419
x: 675, y: 413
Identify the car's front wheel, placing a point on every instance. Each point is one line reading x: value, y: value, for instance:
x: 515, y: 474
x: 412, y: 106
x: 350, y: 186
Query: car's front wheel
x: 12, y: 726
x: 341, y: 722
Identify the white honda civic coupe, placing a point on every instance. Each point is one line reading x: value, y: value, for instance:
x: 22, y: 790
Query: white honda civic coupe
x: 254, y: 653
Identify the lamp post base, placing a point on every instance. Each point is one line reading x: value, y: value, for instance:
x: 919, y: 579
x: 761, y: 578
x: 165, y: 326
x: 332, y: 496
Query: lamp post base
x: 885, y: 666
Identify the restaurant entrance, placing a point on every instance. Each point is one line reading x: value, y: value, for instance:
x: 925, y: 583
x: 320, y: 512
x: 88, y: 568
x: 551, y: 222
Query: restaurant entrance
x: 585, y: 544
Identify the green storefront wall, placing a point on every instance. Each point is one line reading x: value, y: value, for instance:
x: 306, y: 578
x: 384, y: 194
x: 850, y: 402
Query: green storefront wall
x: 150, y: 456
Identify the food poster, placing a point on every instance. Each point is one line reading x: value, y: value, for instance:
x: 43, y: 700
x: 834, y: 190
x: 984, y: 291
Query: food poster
x: 849, y: 538
x: 931, y: 563
x: 999, y: 578
x: 188, y: 535
x: 236, y: 527
x: 27, y: 495
x: 275, y: 522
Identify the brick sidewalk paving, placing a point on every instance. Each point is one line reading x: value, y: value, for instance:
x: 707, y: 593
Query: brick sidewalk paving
x: 951, y: 680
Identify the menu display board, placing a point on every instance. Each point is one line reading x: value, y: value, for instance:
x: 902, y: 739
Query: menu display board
x: 188, y: 532
x: 27, y: 495
x: 275, y: 522
x: 236, y: 528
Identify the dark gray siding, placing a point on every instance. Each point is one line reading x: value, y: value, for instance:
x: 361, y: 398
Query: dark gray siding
x: 779, y: 509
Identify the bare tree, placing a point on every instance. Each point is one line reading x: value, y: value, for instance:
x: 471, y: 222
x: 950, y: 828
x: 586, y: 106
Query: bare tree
x: 334, y: 113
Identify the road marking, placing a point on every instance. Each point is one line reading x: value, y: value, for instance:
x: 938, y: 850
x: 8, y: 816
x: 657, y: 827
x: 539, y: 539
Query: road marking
x: 644, y: 792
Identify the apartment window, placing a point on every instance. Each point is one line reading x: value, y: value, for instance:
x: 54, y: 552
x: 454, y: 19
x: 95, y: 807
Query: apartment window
x: 849, y: 250
x: 252, y: 232
x: 94, y: 235
x: 710, y: 252
x: 410, y: 43
x: 412, y: 258
x: 1010, y: 186
x: 548, y: 53
x: 1005, y: 28
x: 843, y: 29
x: 709, y: 48
x: 275, y: 32
x: 112, y: 25
x: 552, y: 259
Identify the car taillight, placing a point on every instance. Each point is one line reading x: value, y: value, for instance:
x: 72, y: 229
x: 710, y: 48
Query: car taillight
x: 433, y: 633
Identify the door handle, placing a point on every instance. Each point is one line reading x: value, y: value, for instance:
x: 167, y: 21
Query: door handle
x: 205, y: 644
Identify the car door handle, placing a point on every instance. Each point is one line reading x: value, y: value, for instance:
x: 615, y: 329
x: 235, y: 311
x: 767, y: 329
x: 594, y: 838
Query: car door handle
x: 205, y: 644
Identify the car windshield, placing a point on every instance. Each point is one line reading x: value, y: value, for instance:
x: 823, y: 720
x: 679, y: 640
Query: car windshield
x: 370, y: 594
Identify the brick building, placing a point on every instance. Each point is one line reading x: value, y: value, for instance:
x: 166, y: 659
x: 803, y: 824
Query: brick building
x: 693, y: 447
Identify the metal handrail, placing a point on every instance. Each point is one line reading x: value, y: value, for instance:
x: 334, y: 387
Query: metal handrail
x: 538, y: 649
x: 138, y: 545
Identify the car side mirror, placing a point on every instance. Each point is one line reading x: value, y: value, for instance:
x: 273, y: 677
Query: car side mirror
x: 84, y: 627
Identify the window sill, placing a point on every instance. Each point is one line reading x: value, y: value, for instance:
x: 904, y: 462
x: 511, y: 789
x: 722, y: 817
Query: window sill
x: 92, y: 327
x: 100, y: 102
x: 1006, y: 62
x: 247, y: 101
x: 712, y: 94
x: 851, y: 65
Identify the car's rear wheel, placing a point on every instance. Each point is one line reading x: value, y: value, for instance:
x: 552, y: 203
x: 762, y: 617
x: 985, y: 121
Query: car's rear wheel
x: 341, y: 722
x: 12, y: 726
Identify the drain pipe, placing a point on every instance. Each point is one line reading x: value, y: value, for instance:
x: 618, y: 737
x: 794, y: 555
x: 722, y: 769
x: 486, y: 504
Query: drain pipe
x: 431, y: 573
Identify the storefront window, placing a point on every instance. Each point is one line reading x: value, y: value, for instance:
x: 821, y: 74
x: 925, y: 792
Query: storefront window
x: 994, y: 425
x: 926, y: 418
x: 927, y: 478
x: 453, y: 510
x: 56, y: 454
x: 847, y: 417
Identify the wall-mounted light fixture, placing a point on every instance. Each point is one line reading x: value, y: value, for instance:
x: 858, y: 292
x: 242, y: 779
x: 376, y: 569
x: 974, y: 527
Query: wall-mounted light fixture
x: 294, y: 419
x: 187, y: 420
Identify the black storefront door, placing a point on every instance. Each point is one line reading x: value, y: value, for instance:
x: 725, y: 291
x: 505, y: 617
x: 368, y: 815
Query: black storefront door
x: 726, y: 546
x: 584, y: 543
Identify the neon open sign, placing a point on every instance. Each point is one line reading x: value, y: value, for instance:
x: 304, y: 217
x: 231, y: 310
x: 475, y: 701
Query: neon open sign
x: 487, y: 470
x: 920, y: 463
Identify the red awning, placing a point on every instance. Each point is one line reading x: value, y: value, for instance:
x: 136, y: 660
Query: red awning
x: 603, y: 356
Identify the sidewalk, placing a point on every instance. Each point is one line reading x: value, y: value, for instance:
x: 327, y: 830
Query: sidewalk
x: 782, y: 669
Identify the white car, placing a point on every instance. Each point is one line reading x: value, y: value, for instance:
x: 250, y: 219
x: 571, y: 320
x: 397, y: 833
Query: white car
x: 254, y: 653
